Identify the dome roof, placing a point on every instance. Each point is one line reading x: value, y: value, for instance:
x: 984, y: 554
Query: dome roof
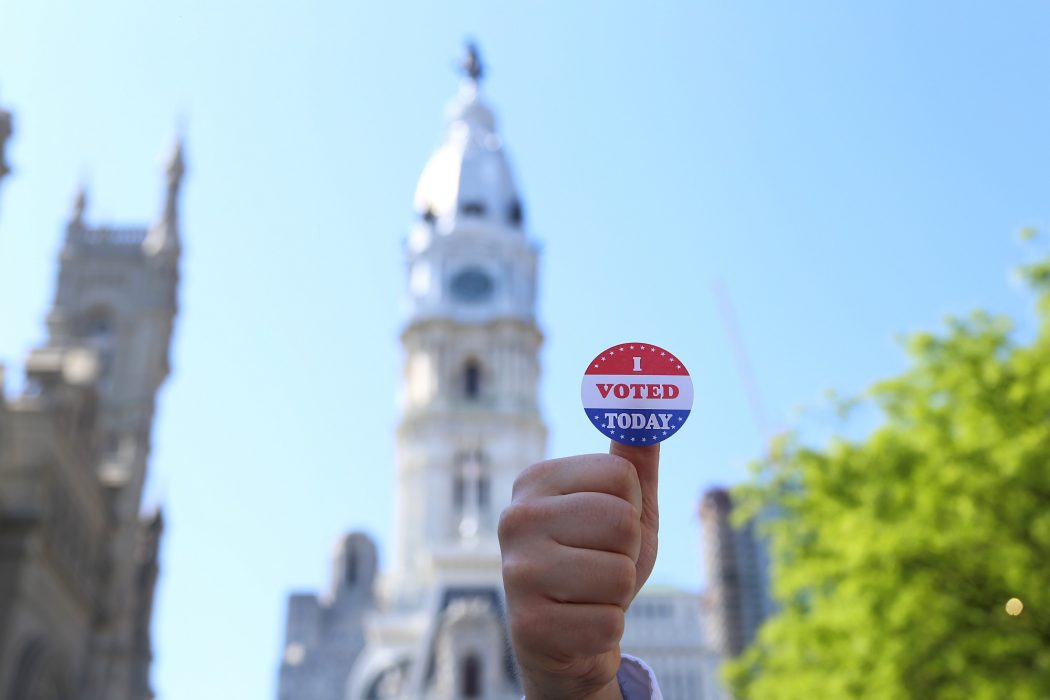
x: 468, y: 175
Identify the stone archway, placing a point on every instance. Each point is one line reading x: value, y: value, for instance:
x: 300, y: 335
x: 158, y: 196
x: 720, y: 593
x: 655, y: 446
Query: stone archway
x: 39, y: 675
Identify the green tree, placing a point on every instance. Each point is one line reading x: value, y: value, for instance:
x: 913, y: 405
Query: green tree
x: 895, y: 555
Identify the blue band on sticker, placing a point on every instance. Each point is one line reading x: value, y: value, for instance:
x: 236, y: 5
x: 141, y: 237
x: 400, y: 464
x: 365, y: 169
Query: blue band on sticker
x: 637, y: 393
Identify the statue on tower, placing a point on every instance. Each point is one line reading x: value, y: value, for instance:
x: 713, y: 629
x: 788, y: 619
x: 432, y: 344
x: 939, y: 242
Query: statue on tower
x: 5, y: 132
x: 471, y: 65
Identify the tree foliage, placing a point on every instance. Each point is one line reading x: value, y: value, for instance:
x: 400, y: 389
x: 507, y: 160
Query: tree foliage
x: 894, y: 555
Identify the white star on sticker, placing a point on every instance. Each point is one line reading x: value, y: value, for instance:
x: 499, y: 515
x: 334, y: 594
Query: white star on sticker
x: 663, y: 354
x: 632, y: 439
x: 596, y: 366
x: 665, y: 432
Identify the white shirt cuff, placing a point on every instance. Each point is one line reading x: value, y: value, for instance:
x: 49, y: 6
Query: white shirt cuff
x: 637, y: 680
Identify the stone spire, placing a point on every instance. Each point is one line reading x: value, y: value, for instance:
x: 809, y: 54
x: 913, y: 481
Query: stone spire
x: 164, y: 236
x: 5, y: 132
x: 76, y: 228
x: 80, y: 202
x: 176, y: 168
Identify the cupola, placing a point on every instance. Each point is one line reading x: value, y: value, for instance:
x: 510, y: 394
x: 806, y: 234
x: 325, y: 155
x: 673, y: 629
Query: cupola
x: 468, y: 178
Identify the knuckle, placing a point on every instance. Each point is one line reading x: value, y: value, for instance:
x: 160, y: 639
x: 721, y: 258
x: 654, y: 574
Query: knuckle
x: 519, y: 573
x: 609, y: 624
x: 625, y: 522
x: 529, y: 626
x: 623, y: 476
x: 537, y: 472
x: 622, y: 581
x: 505, y: 526
x: 516, y: 519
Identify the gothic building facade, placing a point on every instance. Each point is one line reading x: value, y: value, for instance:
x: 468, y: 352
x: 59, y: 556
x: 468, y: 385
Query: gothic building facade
x: 78, y: 560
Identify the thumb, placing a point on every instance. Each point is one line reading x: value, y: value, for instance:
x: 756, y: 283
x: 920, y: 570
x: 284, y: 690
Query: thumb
x: 646, y: 461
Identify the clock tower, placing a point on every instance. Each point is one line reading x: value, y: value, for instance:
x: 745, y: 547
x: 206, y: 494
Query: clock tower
x: 470, y: 418
x: 432, y: 627
x: 470, y: 421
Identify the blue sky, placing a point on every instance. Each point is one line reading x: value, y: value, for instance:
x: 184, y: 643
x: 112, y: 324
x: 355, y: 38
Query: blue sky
x: 848, y: 171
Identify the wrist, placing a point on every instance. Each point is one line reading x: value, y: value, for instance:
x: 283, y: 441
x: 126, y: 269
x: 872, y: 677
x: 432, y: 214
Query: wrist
x: 610, y: 691
x: 561, y: 688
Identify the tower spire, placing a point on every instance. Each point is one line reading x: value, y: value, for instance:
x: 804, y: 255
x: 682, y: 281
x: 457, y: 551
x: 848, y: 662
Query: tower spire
x: 164, y: 236
x: 80, y: 202
x: 175, y: 170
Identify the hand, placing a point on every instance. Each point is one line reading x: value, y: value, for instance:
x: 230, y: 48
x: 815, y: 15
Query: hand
x: 578, y: 539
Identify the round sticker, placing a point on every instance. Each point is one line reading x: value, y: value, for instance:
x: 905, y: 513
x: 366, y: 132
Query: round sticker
x: 637, y: 393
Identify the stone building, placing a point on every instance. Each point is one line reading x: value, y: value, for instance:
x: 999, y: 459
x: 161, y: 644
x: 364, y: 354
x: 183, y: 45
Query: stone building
x: 78, y: 560
x: 736, y: 559
x: 665, y: 626
x: 325, y: 633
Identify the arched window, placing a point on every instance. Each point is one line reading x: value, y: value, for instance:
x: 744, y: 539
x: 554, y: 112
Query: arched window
x: 39, y: 675
x: 483, y: 492
x: 458, y: 488
x: 97, y: 326
x: 472, y: 379
x: 515, y: 214
x: 470, y: 677
x: 351, y: 567
x: 472, y: 208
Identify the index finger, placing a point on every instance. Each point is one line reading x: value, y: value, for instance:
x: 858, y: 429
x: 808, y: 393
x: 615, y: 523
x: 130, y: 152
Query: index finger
x: 598, y: 473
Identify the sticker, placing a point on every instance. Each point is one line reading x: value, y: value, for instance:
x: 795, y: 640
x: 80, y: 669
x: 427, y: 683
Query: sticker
x: 637, y: 393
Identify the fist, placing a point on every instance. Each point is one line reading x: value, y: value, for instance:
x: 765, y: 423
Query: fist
x: 578, y: 540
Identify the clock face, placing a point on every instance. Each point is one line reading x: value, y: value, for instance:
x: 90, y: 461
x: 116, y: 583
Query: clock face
x: 472, y: 285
